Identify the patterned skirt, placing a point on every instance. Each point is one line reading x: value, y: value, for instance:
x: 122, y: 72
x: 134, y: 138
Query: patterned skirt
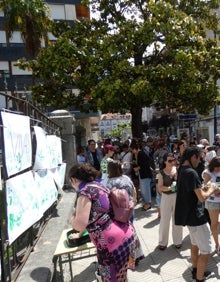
x: 114, y: 245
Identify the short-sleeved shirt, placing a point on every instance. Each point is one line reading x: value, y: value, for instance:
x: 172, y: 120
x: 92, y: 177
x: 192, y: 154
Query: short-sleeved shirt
x: 189, y: 210
x: 215, y: 178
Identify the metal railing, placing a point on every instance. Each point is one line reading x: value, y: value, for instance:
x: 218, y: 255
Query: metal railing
x: 13, y: 257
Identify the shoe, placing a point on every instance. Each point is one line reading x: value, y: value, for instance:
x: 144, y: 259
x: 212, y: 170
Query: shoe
x: 178, y: 246
x: 207, y: 275
x: 98, y: 277
x: 218, y: 250
x: 162, y: 248
x: 146, y: 209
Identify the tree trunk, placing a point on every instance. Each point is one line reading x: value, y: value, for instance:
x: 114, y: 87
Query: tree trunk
x: 136, y: 122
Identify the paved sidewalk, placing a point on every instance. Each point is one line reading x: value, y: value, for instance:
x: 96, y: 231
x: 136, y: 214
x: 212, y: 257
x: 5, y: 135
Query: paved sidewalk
x: 171, y: 265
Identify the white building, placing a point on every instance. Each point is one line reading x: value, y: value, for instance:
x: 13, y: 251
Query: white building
x: 110, y: 121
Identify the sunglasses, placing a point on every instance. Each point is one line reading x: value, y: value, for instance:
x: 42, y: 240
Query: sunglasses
x: 170, y: 161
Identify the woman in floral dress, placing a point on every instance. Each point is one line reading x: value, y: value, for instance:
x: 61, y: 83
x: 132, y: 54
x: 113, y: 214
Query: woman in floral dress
x: 113, y: 240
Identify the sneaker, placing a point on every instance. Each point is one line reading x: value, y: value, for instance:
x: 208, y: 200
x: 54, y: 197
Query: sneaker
x: 207, y: 275
x: 98, y: 277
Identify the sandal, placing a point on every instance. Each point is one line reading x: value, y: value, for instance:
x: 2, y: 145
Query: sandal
x: 162, y: 248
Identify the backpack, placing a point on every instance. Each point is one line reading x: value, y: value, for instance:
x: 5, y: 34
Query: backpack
x: 122, y: 208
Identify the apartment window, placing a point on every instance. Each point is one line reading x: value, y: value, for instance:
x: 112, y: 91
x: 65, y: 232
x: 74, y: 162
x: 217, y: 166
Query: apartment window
x: 57, y: 12
x: 2, y: 37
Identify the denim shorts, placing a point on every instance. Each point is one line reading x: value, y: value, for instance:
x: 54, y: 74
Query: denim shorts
x: 212, y: 205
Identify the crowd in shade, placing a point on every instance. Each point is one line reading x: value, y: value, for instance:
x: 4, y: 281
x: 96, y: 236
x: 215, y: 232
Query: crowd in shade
x: 182, y: 175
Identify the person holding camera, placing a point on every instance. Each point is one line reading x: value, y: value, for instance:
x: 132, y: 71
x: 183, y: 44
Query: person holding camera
x: 189, y: 211
x: 212, y: 204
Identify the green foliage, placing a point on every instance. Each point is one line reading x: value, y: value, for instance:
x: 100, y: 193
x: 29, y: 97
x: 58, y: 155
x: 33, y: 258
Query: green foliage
x: 31, y: 18
x: 121, y: 129
x: 135, y: 53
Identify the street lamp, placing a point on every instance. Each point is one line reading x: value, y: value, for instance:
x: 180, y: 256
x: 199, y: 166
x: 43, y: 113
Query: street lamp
x: 6, y: 85
x: 215, y: 107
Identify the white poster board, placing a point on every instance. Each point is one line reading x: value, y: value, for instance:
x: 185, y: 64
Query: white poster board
x: 59, y: 175
x: 54, y: 151
x: 46, y: 189
x: 22, y: 204
x: 17, y: 142
x: 41, y: 157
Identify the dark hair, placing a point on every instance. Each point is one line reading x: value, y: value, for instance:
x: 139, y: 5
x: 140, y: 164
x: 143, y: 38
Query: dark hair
x: 114, y: 169
x: 181, y: 142
x: 134, y: 145
x: 165, y: 156
x: 189, y: 152
x: 125, y: 146
x: 84, y: 172
x: 215, y: 162
x: 210, y: 148
x: 79, y: 150
x: 90, y: 141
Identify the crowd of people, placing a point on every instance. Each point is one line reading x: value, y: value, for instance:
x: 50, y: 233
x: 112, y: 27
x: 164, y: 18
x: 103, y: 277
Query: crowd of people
x: 187, y: 172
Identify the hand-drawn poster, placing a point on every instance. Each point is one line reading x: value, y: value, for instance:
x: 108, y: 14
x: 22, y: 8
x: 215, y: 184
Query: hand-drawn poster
x: 46, y: 189
x: 59, y: 175
x: 17, y: 142
x: 41, y: 156
x: 22, y: 204
x: 54, y: 150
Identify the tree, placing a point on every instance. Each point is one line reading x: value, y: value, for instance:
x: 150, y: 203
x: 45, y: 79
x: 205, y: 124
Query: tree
x: 135, y: 53
x: 31, y: 18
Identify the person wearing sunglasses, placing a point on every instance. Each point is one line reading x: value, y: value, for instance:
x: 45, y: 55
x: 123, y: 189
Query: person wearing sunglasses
x: 167, y: 177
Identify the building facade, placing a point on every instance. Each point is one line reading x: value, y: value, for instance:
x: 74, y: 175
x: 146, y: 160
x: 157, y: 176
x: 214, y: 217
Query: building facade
x: 12, y: 79
x: 16, y: 82
x: 111, y: 121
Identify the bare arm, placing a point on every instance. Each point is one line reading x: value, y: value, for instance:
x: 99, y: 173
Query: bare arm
x: 135, y: 196
x: 203, y: 193
x: 80, y: 220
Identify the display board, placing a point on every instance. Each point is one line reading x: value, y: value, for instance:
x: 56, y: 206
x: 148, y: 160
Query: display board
x: 46, y: 190
x: 54, y: 151
x: 41, y: 154
x: 17, y: 142
x: 59, y: 175
x: 30, y: 189
x: 23, y: 208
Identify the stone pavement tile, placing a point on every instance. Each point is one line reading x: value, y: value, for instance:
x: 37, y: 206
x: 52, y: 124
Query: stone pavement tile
x: 171, y: 265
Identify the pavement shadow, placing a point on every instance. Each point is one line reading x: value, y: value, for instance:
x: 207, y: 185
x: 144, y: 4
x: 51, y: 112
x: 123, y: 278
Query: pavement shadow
x: 88, y: 274
x: 157, y: 261
x: 41, y: 274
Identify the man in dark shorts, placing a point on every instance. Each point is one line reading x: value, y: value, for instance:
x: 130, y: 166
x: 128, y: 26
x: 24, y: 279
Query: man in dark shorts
x: 189, y: 211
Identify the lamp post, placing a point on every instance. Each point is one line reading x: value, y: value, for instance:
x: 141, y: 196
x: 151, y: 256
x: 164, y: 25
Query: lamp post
x: 215, y: 107
x: 6, y: 85
x: 215, y: 120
